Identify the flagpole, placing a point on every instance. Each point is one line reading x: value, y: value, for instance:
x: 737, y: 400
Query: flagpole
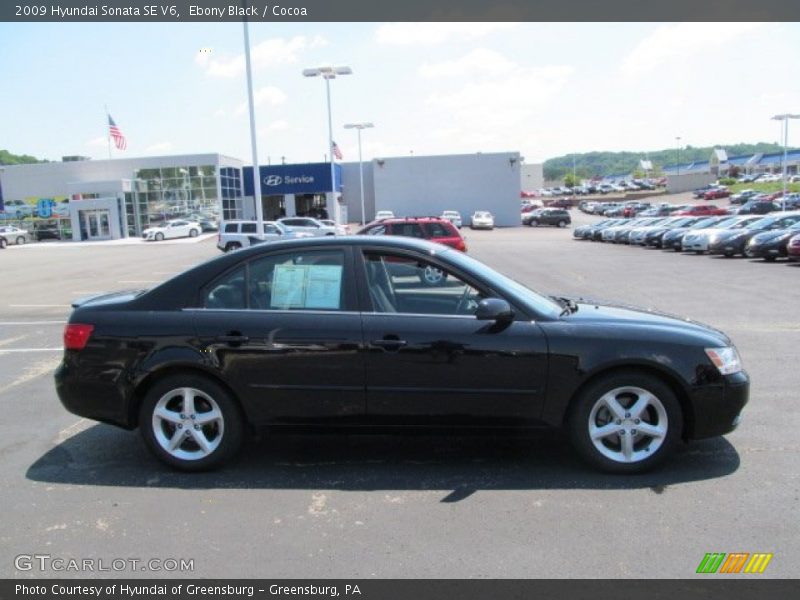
x: 108, y: 132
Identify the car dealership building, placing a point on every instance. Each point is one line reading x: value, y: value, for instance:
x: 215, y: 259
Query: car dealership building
x: 109, y: 199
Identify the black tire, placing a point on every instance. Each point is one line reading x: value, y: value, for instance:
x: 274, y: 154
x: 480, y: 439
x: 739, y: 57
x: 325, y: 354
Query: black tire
x: 562, y: 224
x: 20, y: 241
x: 535, y: 222
x: 230, y: 432
x: 3, y: 243
x: 231, y: 246
x: 159, y: 237
x: 583, y: 414
x: 193, y: 233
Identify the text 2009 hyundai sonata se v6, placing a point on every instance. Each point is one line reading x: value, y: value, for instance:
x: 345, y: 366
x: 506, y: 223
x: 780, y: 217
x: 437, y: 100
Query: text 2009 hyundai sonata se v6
x: 332, y: 332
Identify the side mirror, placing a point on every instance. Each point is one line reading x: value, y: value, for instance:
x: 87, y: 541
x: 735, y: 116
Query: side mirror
x: 494, y: 309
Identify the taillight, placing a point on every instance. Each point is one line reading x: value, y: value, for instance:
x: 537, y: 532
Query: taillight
x: 461, y: 245
x: 76, y: 335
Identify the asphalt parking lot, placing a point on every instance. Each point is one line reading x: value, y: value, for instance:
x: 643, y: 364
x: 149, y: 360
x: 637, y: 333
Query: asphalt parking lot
x: 385, y: 506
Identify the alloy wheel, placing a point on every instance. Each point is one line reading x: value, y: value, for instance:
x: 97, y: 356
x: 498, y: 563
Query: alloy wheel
x: 188, y: 423
x: 628, y: 424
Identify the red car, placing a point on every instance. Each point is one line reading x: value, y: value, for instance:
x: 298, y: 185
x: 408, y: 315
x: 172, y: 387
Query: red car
x: 701, y: 210
x: 793, y: 248
x: 433, y: 229
x: 717, y: 193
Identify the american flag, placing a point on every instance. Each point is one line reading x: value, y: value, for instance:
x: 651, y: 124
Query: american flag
x: 119, y: 140
x: 336, y: 152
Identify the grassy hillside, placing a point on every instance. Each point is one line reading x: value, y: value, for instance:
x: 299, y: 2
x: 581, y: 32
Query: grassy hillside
x: 7, y: 158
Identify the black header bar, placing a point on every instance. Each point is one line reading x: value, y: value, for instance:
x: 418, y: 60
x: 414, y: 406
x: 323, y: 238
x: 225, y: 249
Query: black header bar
x: 149, y: 11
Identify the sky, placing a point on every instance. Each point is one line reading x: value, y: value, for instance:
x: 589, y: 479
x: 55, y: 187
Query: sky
x: 429, y: 88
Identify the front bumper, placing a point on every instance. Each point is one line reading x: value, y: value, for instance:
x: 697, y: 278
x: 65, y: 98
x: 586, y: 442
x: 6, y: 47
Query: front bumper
x: 764, y: 251
x: 717, y: 409
x: 727, y: 247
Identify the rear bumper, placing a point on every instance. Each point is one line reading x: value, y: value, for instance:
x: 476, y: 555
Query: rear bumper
x: 717, y: 410
x: 93, y: 398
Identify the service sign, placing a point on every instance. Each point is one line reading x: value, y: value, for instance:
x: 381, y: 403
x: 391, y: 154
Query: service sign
x: 312, y: 178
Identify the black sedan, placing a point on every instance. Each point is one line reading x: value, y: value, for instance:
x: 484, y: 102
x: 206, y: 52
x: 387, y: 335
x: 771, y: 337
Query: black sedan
x: 318, y: 332
x: 734, y: 241
x: 771, y: 245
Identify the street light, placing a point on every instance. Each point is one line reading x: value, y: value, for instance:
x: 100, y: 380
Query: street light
x: 678, y: 154
x: 359, y: 127
x: 785, y: 118
x: 328, y: 73
x: 253, y: 145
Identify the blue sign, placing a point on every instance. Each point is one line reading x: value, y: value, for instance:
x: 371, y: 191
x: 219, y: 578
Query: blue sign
x: 312, y: 178
x: 44, y: 208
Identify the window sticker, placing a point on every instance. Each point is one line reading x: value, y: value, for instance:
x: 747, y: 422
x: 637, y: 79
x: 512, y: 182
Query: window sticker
x: 306, y: 286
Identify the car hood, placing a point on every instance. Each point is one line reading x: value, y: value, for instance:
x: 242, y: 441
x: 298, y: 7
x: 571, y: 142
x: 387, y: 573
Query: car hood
x: 772, y: 236
x: 618, y: 314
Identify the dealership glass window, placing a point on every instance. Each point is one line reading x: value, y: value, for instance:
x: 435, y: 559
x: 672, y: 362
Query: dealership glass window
x: 174, y: 192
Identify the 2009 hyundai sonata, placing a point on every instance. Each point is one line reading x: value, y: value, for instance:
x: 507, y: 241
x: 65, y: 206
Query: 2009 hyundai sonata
x: 328, y: 332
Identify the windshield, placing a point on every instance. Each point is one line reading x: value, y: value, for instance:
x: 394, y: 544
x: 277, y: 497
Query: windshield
x: 705, y: 223
x: 535, y: 300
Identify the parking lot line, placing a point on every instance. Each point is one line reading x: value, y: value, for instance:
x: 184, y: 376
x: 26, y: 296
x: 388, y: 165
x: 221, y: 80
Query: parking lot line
x: 15, y: 323
x: 39, y: 305
x: 13, y: 350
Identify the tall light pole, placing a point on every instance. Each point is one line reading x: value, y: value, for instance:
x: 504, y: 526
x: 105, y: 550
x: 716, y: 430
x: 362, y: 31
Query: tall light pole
x: 256, y: 169
x: 359, y: 127
x: 328, y: 73
x: 785, y: 118
x: 678, y: 154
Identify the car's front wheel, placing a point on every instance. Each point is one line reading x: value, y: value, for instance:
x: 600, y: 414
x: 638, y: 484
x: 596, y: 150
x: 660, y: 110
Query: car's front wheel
x: 431, y: 276
x: 562, y: 224
x: 159, y: 237
x: 3, y: 243
x: 231, y: 246
x: 20, y: 241
x: 190, y: 422
x: 625, y: 422
x: 193, y: 232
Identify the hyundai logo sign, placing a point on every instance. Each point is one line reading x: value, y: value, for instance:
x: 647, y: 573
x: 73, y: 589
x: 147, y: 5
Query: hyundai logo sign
x: 275, y: 180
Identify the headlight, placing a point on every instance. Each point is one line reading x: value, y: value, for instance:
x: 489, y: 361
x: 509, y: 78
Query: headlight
x: 725, y: 359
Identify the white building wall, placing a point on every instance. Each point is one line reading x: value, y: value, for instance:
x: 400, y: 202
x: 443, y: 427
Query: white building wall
x: 532, y: 177
x: 351, y: 191
x: 428, y: 185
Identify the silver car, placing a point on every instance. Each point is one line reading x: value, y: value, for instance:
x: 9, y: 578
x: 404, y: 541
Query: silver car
x: 307, y: 225
x: 453, y: 216
x: 699, y: 241
x: 14, y: 235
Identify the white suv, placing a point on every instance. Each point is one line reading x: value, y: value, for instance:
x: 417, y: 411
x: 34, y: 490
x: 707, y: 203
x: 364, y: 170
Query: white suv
x: 236, y: 234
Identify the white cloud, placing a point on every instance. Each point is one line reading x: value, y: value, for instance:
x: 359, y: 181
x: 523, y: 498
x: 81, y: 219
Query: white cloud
x: 681, y: 41
x: 159, y: 147
x: 274, y: 126
x: 429, y: 34
x: 268, y: 94
x: 266, y: 54
x: 97, y: 142
x: 480, y: 60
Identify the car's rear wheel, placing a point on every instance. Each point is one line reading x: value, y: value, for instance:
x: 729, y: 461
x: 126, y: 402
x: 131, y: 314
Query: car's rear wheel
x: 159, y: 237
x: 3, y: 243
x: 625, y: 422
x: 431, y: 276
x: 20, y: 241
x: 562, y: 224
x: 193, y: 233
x: 231, y: 246
x: 190, y: 422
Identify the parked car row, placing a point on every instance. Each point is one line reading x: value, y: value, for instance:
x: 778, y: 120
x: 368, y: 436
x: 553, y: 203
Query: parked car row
x: 754, y: 236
